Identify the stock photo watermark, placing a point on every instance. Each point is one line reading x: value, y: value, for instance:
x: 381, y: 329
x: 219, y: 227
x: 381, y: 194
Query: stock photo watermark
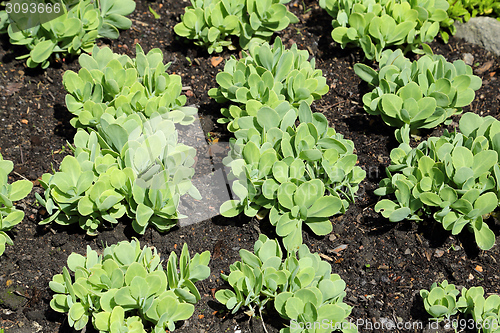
x: 366, y: 325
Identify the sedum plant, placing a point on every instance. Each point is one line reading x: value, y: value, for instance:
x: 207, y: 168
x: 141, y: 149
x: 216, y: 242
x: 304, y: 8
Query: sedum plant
x: 72, y: 32
x: 463, y: 10
x: 268, y: 75
x: 453, y: 178
x: 129, y: 165
x: 117, y: 85
x: 212, y: 23
x: 441, y: 303
x: 126, y: 289
x: 285, y: 170
x: 9, y: 215
x: 375, y: 25
x: 475, y: 126
x: 300, y: 286
x: 419, y: 94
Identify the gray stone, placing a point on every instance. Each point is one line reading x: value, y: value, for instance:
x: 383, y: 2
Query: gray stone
x: 468, y: 59
x: 482, y: 31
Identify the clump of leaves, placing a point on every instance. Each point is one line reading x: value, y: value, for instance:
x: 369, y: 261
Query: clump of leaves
x: 300, y: 285
x: 420, y: 94
x: 72, y: 32
x: 441, y: 303
x: 375, y: 25
x: 126, y: 289
x: 267, y: 75
x: 9, y: 215
x: 286, y: 170
x: 127, y: 156
x: 212, y: 23
x: 474, y: 126
x: 117, y: 85
x: 128, y: 165
x: 463, y: 10
x: 454, y: 178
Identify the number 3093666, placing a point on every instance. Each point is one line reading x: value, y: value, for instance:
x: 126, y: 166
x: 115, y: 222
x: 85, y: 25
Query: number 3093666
x: 32, y: 7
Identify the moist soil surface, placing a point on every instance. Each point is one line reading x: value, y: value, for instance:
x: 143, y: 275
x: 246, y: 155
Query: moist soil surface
x: 384, y: 264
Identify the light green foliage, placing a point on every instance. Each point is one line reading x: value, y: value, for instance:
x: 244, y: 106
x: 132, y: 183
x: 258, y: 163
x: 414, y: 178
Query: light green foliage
x: 419, y: 94
x: 286, y: 170
x: 300, y: 285
x: 463, y: 10
x: 9, y: 215
x: 129, y: 165
x: 454, y: 178
x: 211, y: 23
x: 85, y: 191
x: 267, y: 76
x: 116, y: 85
x: 374, y: 25
x: 126, y: 288
x: 441, y: 302
x: 127, y: 156
x: 475, y: 126
x: 72, y: 32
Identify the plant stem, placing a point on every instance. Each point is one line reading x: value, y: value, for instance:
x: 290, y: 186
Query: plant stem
x: 262, y: 320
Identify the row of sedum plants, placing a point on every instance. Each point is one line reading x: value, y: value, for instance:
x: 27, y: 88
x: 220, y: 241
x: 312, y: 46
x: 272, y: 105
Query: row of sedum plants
x: 127, y: 162
x: 287, y: 163
x: 453, y: 179
x: 372, y: 25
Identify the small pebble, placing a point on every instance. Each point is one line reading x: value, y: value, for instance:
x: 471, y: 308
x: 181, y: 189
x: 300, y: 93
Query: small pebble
x: 438, y: 253
x: 468, y: 59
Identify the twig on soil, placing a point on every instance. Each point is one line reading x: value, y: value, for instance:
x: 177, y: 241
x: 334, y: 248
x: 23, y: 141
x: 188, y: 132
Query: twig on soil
x: 18, y: 174
x: 337, y: 103
x: 419, y: 239
x: 144, y: 24
x: 394, y: 318
x: 262, y: 320
x: 19, y: 294
x: 22, y: 157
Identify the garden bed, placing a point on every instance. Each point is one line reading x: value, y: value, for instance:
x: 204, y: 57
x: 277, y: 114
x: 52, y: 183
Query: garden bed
x: 383, y: 264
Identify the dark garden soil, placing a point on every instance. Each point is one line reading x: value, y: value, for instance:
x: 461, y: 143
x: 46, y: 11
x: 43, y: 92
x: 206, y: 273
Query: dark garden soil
x: 384, y: 264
